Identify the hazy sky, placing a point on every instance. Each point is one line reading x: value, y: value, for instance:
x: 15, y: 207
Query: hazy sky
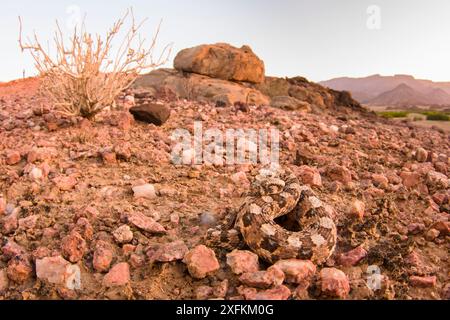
x: 318, y: 39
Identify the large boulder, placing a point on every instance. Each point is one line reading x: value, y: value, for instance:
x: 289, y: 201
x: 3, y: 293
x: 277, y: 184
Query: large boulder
x: 222, y: 61
x: 193, y: 86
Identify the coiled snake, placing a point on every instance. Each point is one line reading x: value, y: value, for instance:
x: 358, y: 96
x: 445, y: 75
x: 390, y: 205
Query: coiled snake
x: 277, y: 193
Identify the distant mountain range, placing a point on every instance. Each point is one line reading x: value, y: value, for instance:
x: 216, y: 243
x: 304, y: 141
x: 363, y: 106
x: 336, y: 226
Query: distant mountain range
x: 398, y: 90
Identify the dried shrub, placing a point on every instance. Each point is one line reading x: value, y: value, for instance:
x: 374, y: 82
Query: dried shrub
x: 85, y: 75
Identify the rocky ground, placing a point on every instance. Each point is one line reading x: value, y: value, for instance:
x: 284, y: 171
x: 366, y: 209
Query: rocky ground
x: 96, y: 210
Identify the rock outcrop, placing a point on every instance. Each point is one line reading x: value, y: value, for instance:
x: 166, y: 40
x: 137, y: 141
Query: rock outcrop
x: 222, y: 61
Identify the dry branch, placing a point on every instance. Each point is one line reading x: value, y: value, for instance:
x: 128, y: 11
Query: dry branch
x: 81, y: 78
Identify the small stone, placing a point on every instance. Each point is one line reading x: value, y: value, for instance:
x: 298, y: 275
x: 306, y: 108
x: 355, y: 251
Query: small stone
x: 274, y: 276
x: 437, y: 180
x: 421, y: 155
x: 103, y: 256
x: 145, y: 191
x: 4, y: 281
x: 442, y: 226
x: 380, y: 180
x: 109, y: 157
x: 57, y: 270
x: 10, y: 223
x: 65, y: 183
x: 167, y: 252
x: 445, y: 292
x: 13, y: 157
x: 432, y: 234
x: 240, y: 179
x: 136, y: 260
x: 84, y: 227
x: 36, y: 174
x: 19, y: 269
x: 310, y: 176
x: 280, y: 292
x: 174, y: 219
x: 123, y: 234
x: 156, y: 114
x: 73, y: 247
x: 208, y: 219
x: 339, y: 173
x: 334, y: 283
x: 203, y: 292
x: 352, y: 257
x: 119, y: 275
x: 145, y: 223
x: 422, y: 282
x: 416, y: 228
x: 12, y: 249
x: 2, y: 206
x: 357, y: 209
x: 220, y: 290
x: 410, y: 179
x: 29, y: 222
x: 297, y: 271
x: 242, y: 261
x: 201, y: 261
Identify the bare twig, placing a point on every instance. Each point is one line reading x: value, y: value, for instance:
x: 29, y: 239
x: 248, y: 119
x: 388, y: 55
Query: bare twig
x: 80, y: 77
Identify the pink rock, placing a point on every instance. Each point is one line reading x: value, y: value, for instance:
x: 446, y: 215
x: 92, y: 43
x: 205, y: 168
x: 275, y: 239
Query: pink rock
x: 242, y: 261
x: 123, y: 234
x: 416, y: 228
x: 352, y: 257
x: 167, y: 252
x: 380, y: 180
x: 310, y: 176
x: 65, y: 183
x: 19, y: 268
x: 136, y: 260
x: 297, y: 271
x: 357, y: 209
x: 144, y: 191
x: 280, y: 292
x: 339, y: 173
x: 57, y: 270
x: 442, y: 226
x: 410, y: 179
x: 28, y: 222
x: 84, y: 228
x: 109, y: 157
x: 445, y: 292
x: 201, y: 261
x: 10, y: 223
x: 103, y: 256
x: 12, y: 158
x: 437, y: 180
x: 432, y: 234
x: 2, y: 206
x: 422, y: 282
x: 440, y: 198
x: 73, y: 247
x: 12, y: 249
x: 203, y: 292
x: 274, y: 276
x: 221, y: 289
x: 119, y: 275
x: 240, y: 178
x: 4, y: 281
x: 334, y: 283
x: 145, y: 223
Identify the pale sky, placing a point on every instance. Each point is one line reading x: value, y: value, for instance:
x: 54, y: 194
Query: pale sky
x: 318, y: 39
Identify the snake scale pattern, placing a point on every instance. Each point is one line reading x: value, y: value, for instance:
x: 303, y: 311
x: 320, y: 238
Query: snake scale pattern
x: 276, y: 193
